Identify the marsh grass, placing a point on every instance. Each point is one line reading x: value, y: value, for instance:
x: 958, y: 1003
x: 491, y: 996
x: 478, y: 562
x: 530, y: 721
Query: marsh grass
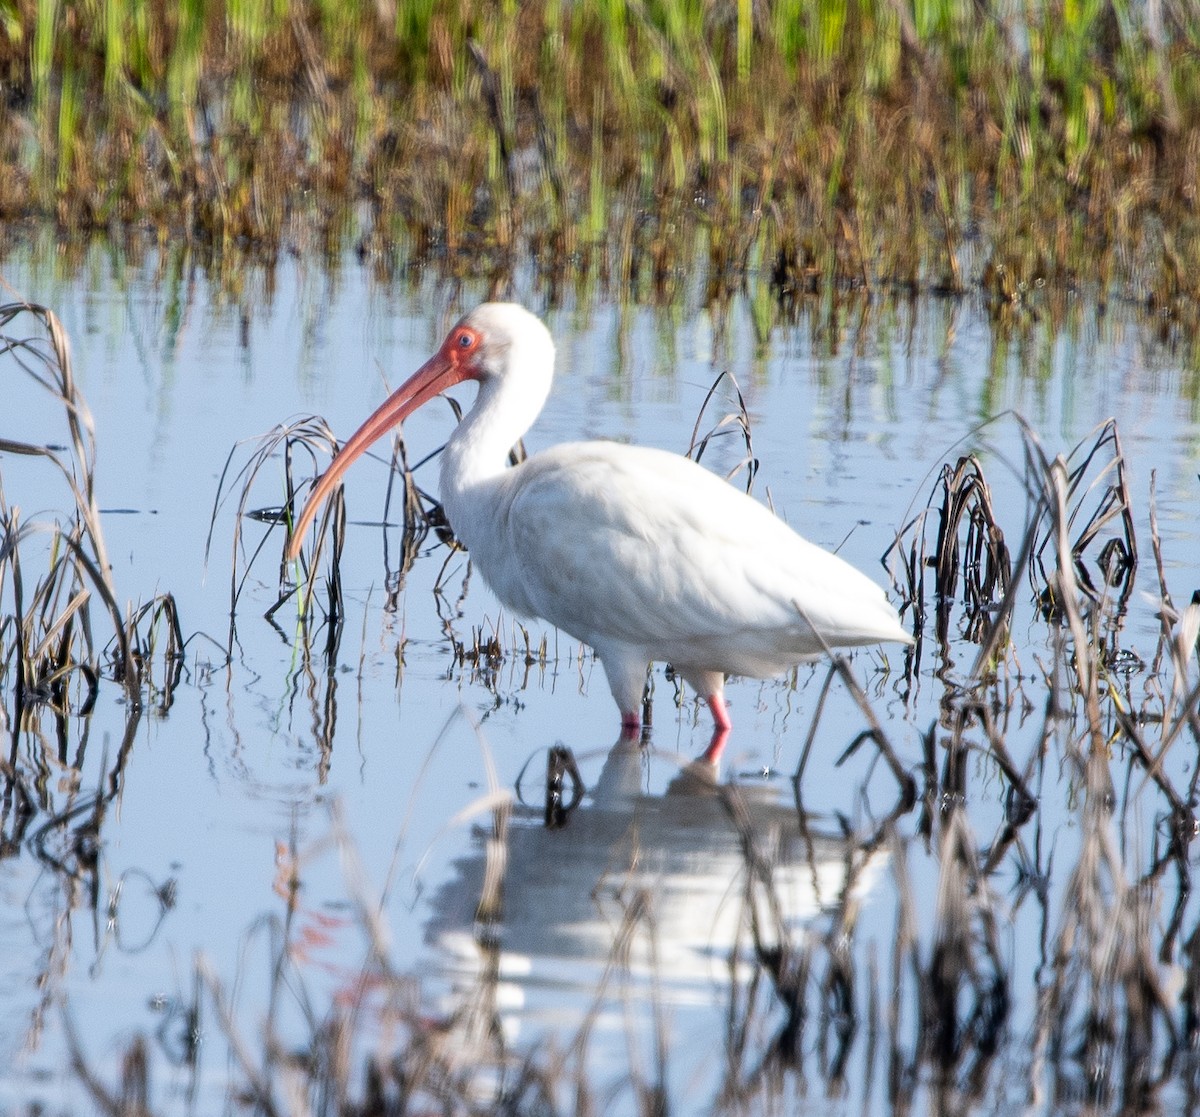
x: 64, y: 634
x: 736, y: 421
x: 781, y: 147
x: 312, y: 438
x: 62, y: 628
x: 1108, y: 1026
x: 51, y: 638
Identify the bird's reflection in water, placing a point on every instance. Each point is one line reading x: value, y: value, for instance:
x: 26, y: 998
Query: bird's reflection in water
x: 643, y: 902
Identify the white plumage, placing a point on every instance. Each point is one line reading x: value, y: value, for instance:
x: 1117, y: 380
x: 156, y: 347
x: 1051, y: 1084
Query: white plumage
x: 641, y: 554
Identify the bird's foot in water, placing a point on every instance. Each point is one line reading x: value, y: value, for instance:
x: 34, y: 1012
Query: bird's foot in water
x: 632, y: 730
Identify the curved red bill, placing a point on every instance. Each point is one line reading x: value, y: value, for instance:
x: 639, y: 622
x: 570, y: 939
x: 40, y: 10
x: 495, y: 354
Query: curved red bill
x: 443, y: 370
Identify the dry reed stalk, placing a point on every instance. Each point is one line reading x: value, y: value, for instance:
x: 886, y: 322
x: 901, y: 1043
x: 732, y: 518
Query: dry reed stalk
x: 55, y: 626
x: 314, y: 437
x: 735, y: 421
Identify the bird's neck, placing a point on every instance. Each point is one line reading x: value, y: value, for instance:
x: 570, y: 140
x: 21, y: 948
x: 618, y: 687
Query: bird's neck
x: 476, y: 456
x: 476, y: 452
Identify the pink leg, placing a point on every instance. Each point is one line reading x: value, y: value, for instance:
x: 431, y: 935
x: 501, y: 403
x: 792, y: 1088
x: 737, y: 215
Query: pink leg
x: 631, y: 725
x: 721, y: 727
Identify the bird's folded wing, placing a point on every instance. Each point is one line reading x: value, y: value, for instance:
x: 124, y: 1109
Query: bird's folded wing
x: 648, y: 547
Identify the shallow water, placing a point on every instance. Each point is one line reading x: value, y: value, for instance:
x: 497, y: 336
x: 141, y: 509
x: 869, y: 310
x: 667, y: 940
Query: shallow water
x: 379, y: 776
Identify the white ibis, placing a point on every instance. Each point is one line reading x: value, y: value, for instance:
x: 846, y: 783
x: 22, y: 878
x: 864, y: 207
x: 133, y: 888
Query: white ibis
x: 642, y: 554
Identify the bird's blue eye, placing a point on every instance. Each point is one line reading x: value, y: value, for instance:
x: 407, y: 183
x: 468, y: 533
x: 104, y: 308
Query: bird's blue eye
x: 464, y: 341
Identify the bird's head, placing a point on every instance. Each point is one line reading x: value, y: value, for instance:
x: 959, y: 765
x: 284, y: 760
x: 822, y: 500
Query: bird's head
x: 500, y: 342
x: 501, y: 345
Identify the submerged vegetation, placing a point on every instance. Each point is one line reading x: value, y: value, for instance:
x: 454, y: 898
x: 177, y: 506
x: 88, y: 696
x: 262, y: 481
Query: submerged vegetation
x: 790, y: 145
